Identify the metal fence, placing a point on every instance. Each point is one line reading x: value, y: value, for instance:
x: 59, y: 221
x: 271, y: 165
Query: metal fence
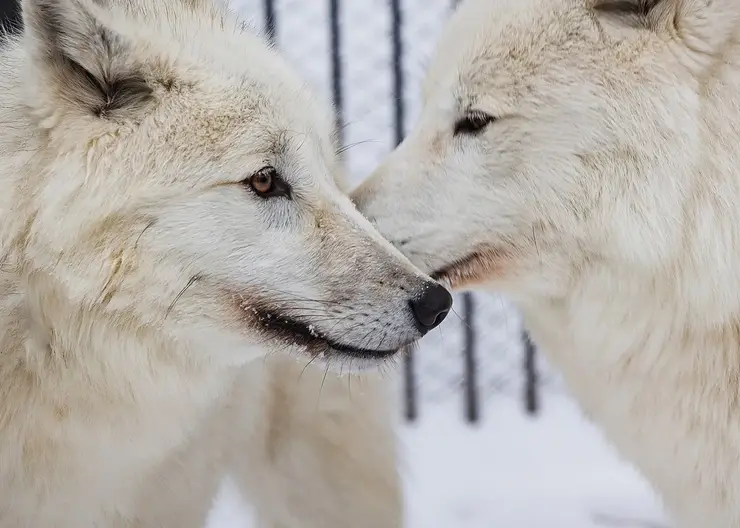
x: 369, y: 57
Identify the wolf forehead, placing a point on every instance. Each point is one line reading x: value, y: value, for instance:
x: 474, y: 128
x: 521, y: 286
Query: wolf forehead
x: 508, y: 42
x: 257, y: 115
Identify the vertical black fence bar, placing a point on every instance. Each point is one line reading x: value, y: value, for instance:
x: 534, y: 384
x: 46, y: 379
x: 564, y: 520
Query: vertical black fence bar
x: 335, y: 38
x: 270, y: 21
x: 472, y: 403
x: 411, y: 407
x: 399, y: 107
x: 531, y: 378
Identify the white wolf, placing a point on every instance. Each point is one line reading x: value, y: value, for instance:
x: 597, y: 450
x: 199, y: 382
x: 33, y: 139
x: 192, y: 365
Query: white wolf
x: 169, y: 216
x: 583, y: 156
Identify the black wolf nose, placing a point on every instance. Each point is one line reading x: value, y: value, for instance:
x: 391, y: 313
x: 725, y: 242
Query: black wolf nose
x: 431, y: 307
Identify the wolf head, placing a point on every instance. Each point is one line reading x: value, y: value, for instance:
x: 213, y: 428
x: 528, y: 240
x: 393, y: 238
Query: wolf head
x: 560, y: 135
x: 166, y: 170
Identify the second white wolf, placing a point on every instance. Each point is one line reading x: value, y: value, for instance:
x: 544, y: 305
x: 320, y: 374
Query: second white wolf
x: 583, y: 156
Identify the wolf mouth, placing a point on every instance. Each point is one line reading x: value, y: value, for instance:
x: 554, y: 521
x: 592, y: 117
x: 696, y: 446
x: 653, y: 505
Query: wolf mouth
x: 455, y: 268
x: 484, y: 262
x: 294, y: 331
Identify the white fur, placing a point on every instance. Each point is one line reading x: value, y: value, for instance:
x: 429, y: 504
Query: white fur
x: 138, y: 277
x: 604, y: 201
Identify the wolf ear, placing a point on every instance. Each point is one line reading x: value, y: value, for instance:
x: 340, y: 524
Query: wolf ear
x: 704, y: 27
x: 81, y: 63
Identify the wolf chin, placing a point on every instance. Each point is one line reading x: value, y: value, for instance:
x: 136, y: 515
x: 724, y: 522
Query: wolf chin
x: 176, y: 249
x: 583, y: 157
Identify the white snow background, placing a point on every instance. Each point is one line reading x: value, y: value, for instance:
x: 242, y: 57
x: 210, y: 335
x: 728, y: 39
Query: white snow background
x: 511, y: 470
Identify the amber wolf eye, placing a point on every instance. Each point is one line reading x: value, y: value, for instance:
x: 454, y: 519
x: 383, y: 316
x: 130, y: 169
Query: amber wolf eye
x: 267, y: 183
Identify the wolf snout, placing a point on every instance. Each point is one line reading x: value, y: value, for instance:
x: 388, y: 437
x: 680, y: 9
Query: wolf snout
x: 430, y: 307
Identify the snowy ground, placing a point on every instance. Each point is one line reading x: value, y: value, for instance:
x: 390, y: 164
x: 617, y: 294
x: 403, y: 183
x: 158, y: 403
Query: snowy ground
x: 512, y: 472
x: 515, y: 472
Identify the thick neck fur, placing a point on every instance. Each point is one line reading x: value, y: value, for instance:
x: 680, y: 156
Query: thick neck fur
x: 89, y: 384
x: 654, y: 357
x: 658, y: 376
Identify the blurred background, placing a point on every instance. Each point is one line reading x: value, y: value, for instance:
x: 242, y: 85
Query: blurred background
x: 490, y: 436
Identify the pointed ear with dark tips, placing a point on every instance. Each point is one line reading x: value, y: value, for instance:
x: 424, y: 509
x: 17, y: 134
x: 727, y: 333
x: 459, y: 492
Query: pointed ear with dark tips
x: 85, y: 66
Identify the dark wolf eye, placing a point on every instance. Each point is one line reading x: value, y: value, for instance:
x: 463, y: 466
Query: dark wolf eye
x: 473, y: 123
x: 267, y: 183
